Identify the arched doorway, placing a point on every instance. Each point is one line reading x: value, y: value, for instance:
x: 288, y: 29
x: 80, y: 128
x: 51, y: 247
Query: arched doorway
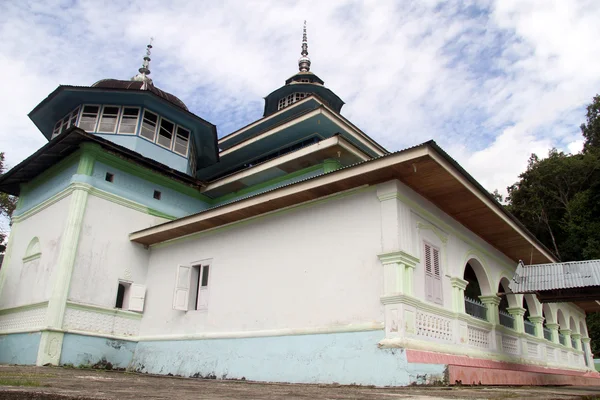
x: 562, y: 323
x: 548, y: 319
x: 477, y: 285
x: 504, y: 317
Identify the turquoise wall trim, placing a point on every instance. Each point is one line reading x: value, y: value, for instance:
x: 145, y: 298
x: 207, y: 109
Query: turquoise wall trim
x: 150, y: 150
x: 46, y: 189
x: 141, y: 191
x: 19, y: 348
x: 345, y: 358
x: 88, y: 350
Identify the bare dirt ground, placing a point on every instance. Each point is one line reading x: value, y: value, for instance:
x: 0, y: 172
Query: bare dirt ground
x: 83, y: 384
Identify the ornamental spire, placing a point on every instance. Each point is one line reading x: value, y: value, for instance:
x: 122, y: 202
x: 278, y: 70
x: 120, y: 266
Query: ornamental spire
x: 144, y: 71
x: 304, y: 61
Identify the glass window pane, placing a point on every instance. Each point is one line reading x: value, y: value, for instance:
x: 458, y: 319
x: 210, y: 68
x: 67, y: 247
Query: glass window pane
x: 108, y: 121
x: 129, y: 120
x: 181, y: 141
x: 149, y: 125
x: 204, y: 275
x: 89, y: 118
x: 73, y: 117
x: 165, y: 133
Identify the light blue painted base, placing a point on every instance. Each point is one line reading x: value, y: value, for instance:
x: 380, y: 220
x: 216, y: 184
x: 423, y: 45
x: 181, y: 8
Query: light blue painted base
x: 344, y: 358
x: 19, y: 348
x: 88, y: 350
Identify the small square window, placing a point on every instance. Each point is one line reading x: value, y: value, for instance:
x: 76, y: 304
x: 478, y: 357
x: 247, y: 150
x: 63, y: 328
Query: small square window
x: 157, y: 195
x: 109, y: 177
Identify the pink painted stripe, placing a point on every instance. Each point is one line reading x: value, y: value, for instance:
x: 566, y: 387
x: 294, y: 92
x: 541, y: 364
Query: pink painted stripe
x: 427, y: 357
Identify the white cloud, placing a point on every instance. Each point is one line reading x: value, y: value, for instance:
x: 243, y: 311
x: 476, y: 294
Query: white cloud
x: 491, y: 82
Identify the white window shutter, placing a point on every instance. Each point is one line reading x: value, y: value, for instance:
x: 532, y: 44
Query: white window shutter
x: 137, y: 296
x: 428, y: 273
x: 182, y: 288
x: 437, y: 277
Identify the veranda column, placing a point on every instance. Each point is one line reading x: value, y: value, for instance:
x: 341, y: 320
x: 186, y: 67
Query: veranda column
x: 458, y: 294
x: 538, y: 320
x: 553, y: 332
x: 491, y: 303
x: 589, y: 358
x: 567, y: 334
x: 517, y: 313
x: 577, y: 338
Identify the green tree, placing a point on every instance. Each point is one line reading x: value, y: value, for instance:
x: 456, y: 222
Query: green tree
x: 558, y: 199
x: 7, y: 206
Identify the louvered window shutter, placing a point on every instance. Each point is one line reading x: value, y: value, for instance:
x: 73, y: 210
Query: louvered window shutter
x: 429, y: 278
x: 437, y: 277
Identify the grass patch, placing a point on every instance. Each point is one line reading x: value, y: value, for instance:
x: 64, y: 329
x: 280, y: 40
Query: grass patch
x: 19, y: 382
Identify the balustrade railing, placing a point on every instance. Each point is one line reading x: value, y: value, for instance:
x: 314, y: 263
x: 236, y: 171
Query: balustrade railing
x: 547, y: 334
x: 506, y: 319
x: 475, y: 308
x: 562, y: 339
x: 529, y: 327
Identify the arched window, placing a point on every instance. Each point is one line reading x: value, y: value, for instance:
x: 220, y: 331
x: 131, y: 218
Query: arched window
x: 33, y: 251
x: 504, y: 317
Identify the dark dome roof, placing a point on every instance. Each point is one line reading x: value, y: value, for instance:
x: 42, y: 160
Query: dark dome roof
x: 137, y: 85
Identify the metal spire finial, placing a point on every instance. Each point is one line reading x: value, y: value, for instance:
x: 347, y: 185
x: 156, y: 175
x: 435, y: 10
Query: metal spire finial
x: 144, y: 71
x: 304, y: 61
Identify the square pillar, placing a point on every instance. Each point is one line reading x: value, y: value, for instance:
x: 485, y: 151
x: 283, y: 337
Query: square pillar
x: 553, y: 332
x: 458, y: 294
x: 538, y: 320
x: 491, y: 303
x: 517, y: 313
x: 398, y: 272
x: 587, y: 352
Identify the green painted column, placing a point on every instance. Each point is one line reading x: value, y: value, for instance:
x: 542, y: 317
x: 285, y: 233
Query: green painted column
x: 518, y: 313
x: 567, y: 334
x: 553, y: 332
x: 52, y: 336
x: 577, y: 338
x: 458, y: 294
x: 538, y: 320
x: 491, y: 303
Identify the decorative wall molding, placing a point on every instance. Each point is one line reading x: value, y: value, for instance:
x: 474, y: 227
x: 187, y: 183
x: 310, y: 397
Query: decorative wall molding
x: 24, y: 318
x: 92, y: 321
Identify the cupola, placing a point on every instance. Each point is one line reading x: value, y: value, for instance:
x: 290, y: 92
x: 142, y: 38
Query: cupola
x: 301, y: 85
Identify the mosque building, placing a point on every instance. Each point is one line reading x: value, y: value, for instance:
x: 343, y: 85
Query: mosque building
x: 295, y: 249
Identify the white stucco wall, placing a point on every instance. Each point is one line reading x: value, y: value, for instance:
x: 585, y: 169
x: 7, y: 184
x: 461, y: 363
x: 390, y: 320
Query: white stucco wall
x: 313, y: 266
x: 31, y: 282
x: 105, y: 254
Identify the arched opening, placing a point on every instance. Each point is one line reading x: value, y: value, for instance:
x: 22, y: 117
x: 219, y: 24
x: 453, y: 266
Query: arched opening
x: 530, y: 309
x: 562, y: 322
x: 574, y: 330
x: 548, y: 318
x: 33, y: 251
x: 477, y: 284
x: 504, y: 317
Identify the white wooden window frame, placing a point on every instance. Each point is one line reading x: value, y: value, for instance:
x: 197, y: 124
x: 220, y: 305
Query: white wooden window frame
x: 99, y: 122
x: 158, y: 133
x: 60, y: 126
x: 137, y: 120
x: 97, y: 115
x: 158, y: 117
x: 186, y: 290
x: 177, y: 127
x: 434, y: 291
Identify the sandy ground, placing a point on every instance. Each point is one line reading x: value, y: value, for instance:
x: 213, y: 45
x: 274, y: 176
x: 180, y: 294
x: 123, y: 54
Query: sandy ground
x: 82, y: 384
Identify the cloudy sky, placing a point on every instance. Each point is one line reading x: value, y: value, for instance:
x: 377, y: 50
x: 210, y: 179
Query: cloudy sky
x: 490, y: 81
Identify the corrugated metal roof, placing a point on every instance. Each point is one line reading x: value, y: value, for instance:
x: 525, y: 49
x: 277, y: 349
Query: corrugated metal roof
x: 540, y: 277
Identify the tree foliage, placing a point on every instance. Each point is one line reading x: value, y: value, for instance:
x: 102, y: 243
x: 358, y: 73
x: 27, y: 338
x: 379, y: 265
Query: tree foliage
x: 558, y: 199
x: 7, y: 206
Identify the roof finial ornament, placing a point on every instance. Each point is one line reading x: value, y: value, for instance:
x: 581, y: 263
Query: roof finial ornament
x: 144, y: 71
x: 304, y: 61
